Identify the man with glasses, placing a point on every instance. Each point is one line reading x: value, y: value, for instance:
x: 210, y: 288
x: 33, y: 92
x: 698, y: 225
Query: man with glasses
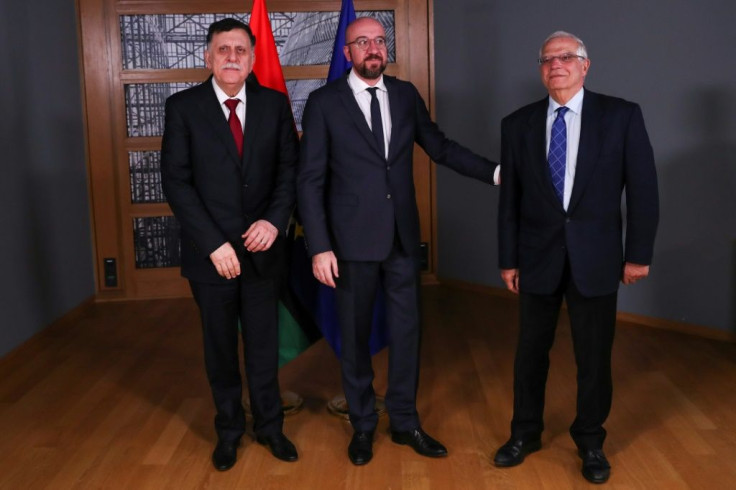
x: 565, y: 162
x: 356, y: 198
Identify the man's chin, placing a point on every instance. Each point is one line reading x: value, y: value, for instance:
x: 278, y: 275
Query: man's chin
x: 369, y: 74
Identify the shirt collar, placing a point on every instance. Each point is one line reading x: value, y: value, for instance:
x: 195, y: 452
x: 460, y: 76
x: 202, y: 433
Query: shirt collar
x: 222, y: 96
x: 575, y: 104
x: 357, y: 85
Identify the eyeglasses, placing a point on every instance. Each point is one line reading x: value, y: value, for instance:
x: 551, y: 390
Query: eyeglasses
x: 364, y: 42
x: 564, y: 58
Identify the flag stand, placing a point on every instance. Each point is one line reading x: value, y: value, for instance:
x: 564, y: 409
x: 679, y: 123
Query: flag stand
x: 267, y: 70
x: 338, y: 406
x: 291, y: 403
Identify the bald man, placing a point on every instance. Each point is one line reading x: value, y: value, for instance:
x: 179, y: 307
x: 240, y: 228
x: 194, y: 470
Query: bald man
x: 356, y: 197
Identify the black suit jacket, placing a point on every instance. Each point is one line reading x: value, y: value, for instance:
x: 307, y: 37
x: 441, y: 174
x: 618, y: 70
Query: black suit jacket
x: 536, y: 235
x: 214, y: 194
x: 352, y: 199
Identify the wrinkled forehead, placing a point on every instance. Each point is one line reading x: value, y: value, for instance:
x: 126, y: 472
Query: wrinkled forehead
x: 560, y: 45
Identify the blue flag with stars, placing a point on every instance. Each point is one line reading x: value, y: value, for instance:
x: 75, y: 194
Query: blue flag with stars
x: 339, y: 64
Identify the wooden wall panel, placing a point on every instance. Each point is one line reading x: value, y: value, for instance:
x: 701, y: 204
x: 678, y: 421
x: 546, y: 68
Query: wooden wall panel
x: 109, y: 144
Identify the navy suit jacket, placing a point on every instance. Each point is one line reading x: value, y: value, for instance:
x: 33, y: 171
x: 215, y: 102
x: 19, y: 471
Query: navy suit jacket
x: 351, y: 198
x: 537, y: 236
x: 216, y: 195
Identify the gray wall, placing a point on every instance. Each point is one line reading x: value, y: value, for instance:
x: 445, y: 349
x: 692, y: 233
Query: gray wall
x: 45, y: 251
x: 675, y: 58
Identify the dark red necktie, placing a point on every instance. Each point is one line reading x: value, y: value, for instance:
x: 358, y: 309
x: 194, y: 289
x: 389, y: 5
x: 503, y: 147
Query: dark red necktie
x: 234, y: 123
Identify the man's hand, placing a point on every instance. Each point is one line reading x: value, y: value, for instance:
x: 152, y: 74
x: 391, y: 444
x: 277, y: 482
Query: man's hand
x: 226, y: 261
x: 511, y: 278
x: 324, y: 268
x: 260, y: 236
x: 634, y: 272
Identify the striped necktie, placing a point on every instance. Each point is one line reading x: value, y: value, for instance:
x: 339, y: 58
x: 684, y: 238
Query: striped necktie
x: 557, y: 157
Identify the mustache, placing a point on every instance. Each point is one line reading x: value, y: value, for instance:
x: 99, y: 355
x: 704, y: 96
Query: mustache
x: 233, y: 66
x: 373, y: 57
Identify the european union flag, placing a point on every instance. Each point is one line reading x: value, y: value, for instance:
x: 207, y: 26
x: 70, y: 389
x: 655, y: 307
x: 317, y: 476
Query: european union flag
x: 339, y: 64
x: 320, y: 298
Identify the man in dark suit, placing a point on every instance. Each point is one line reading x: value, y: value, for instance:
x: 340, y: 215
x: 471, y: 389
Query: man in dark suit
x: 356, y: 198
x: 565, y: 161
x: 233, y: 195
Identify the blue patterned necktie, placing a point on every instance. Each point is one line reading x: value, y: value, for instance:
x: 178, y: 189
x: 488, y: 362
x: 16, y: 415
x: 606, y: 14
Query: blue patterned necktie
x: 376, y: 121
x: 557, y: 153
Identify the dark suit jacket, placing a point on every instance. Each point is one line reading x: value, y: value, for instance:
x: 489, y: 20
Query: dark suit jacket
x: 215, y: 195
x: 351, y: 198
x: 536, y: 235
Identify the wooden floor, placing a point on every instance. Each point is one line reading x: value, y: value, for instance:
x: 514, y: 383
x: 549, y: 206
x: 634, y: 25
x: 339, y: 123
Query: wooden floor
x: 118, y: 400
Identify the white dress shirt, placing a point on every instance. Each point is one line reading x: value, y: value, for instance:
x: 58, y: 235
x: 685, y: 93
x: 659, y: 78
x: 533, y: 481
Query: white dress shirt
x: 222, y: 97
x: 363, y: 97
x: 572, y: 121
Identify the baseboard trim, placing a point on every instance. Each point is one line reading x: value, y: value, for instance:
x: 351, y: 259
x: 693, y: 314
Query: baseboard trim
x: 477, y: 288
x: 73, y: 315
x: 70, y: 317
x: 429, y: 279
x: 674, y: 326
x: 631, y: 318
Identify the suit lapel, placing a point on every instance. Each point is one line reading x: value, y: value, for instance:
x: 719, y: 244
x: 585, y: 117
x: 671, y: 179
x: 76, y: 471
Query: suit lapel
x: 353, y: 109
x: 215, y: 118
x: 253, y: 115
x: 591, y: 126
x: 535, y: 143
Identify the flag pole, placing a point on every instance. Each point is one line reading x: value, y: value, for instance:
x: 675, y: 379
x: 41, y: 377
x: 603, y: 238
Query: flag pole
x: 268, y: 72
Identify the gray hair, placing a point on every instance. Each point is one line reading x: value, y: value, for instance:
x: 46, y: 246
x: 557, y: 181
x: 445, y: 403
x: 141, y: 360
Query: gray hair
x: 581, y: 51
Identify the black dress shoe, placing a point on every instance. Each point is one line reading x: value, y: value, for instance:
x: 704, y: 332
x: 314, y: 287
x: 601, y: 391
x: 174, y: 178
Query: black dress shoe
x: 514, y: 452
x: 421, y: 442
x: 360, y: 449
x: 225, y: 454
x: 280, y: 446
x: 596, y: 468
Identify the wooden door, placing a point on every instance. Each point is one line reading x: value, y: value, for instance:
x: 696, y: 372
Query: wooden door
x: 136, y: 53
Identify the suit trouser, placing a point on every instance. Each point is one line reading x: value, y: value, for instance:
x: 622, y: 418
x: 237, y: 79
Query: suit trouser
x: 253, y: 301
x: 355, y: 295
x: 592, y: 323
